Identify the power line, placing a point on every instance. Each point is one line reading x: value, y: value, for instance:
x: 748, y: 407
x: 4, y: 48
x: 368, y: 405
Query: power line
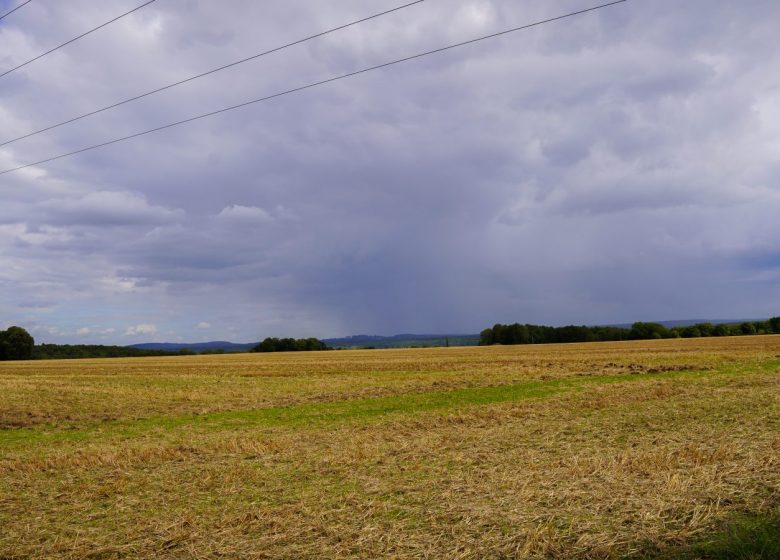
x: 312, y: 85
x: 76, y: 38
x: 16, y: 8
x: 214, y: 70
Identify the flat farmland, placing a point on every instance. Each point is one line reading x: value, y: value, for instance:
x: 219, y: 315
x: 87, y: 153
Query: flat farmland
x: 649, y: 449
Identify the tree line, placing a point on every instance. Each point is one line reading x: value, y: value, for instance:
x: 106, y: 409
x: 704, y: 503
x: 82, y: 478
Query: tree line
x: 538, y: 334
x: 17, y: 344
x: 290, y: 345
x: 77, y: 351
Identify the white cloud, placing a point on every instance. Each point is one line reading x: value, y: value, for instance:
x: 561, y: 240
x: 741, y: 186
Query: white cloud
x: 204, y: 325
x: 143, y: 329
x: 245, y: 214
x: 107, y: 209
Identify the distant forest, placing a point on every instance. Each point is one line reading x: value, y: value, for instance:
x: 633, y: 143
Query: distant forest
x: 538, y: 334
x: 75, y: 351
x: 290, y: 345
x: 17, y: 344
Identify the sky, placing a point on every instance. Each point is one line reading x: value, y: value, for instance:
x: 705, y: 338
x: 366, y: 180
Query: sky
x: 617, y: 166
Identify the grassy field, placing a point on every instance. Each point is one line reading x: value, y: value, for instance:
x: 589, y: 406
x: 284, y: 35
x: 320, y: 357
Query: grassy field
x: 653, y: 449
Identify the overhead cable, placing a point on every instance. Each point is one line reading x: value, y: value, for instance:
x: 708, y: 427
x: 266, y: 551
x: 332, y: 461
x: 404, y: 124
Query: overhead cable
x: 66, y: 43
x: 312, y: 85
x: 16, y: 8
x: 201, y: 75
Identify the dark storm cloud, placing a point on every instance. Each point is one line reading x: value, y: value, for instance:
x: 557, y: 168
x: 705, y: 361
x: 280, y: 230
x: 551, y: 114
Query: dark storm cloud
x: 617, y: 166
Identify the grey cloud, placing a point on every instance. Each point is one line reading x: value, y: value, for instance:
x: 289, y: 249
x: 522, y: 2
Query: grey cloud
x: 549, y: 176
x: 107, y: 209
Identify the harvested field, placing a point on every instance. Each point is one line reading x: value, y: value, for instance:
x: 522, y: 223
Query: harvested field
x: 652, y: 449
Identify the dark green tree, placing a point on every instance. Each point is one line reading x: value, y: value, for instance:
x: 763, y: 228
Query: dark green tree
x: 690, y: 332
x: 721, y: 330
x: 647, y: 331
x: 16, y: 344
x: 747, y: 328
x: 290, y: 345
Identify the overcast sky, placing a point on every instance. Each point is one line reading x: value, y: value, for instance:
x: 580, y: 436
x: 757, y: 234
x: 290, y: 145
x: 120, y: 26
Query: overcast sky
x: 621, y: 165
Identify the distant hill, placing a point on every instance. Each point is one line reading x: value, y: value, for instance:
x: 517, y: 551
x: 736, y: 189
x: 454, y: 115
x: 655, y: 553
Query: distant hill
x: 357, y: 341
x: 196, y: 346
x: 405, y: 340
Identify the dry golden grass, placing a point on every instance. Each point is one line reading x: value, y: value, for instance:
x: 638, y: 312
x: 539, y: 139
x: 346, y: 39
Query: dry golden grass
x: 560, y: 451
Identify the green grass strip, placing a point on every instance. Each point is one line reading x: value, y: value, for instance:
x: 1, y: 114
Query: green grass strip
x: 749, y: 537
x: 316, y: 414
x: 744, y: 536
